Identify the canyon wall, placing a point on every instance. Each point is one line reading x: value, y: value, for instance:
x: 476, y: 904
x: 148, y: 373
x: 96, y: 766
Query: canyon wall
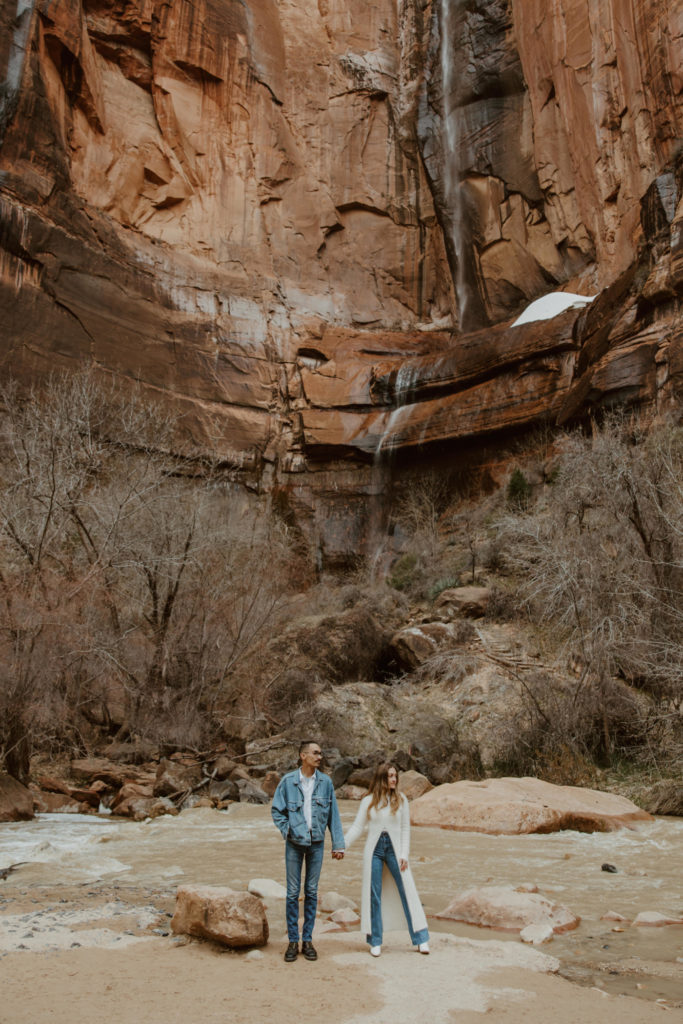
x: 309, y: 225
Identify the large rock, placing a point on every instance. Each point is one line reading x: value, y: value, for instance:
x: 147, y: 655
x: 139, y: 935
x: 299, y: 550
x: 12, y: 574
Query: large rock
x: 175, y: 780
x: 504, y: 908
x: 516, y: 806
x: 138, y: 802
x: 251, y: 793
x: 471, y: 601
x: 413, y: 784
x: 413, y: 645
x: 232, y: 918
x: 16, y: 801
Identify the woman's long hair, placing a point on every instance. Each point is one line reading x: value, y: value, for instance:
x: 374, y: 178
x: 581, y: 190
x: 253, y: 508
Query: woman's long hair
x: 379, y: 788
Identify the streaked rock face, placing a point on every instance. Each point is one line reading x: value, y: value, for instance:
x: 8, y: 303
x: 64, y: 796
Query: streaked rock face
x: 308, y: 225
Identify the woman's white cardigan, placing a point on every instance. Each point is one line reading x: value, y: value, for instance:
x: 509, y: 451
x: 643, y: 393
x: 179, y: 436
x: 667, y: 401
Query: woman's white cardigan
x: 398, y: 827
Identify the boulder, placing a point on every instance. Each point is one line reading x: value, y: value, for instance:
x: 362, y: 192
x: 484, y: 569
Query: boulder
x: 413, y: 645
x: 223, y: 915
x: 332, y: 901
x: 470, y: 601
x: 503, y: 908
x: 536, y: 934
x: 269, y: 783
x: 137, y: 802
x: 251, y: 793
x: 90, y: 769
x: 45, y: 802
x: 612, y: 915
x: 90, y: 796
x: 341, y: 769
x: 361, y: 777
x: 223, y: 789
x: 175, y: 779
x: 345, y: 916
x: 413, y: 784
x: 267, y: 889
x: 517, y: 806
x: 349, y: 792
x: 652, y: 919
x: 16, y: 801
x: 222, y: 766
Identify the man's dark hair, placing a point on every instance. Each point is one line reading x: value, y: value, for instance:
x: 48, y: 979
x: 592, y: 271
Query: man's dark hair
x: 304, y: 744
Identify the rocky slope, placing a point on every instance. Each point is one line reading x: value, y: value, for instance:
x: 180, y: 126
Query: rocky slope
x: 309, y: 226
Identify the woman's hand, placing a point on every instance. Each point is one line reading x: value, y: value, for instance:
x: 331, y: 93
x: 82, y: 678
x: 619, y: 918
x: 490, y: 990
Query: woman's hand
x: 403, y: 864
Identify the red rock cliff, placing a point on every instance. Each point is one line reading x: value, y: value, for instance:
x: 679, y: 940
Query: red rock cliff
x: 283, y: 217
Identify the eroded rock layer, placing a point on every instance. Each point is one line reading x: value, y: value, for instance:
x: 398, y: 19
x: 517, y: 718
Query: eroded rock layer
x: 309, y: 226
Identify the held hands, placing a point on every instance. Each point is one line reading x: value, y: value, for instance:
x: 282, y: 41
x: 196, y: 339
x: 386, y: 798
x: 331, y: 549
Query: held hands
x: 403, y: 864
x: 338, y: 855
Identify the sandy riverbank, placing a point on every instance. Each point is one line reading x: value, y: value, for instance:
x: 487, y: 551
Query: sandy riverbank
x: 155, y: 982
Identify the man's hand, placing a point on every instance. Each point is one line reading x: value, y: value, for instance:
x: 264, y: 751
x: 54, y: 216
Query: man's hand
x: 403, y: 864
x: 338, y: 855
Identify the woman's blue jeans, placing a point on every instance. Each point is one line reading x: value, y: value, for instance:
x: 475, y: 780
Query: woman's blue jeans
x: 384, y: 854
x: 295, y: 856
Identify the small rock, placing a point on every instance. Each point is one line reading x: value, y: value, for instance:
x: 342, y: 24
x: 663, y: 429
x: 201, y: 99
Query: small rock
x: 612, y: 915
x: 332, y: 901
x: 255, y: 954
x: 527, y: 887
x: 327, y: 926
x: 344, y: 916
x: 267, y: 889
x: 536, y: 934
x: 652, y: 919
x: 609, y: 868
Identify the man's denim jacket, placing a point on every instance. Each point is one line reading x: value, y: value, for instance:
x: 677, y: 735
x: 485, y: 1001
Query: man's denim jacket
x: 288, y: 811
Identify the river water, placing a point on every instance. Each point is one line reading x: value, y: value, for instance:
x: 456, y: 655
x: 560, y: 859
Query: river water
x: 231, y: 847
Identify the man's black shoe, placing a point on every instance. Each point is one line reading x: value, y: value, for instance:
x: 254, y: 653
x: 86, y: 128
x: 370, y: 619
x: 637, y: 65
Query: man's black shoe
x: 308, y: 951
x: 292, y: 952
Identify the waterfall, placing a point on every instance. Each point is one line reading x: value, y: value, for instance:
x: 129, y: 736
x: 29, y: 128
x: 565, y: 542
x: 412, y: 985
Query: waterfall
x: 380, y: 479
x: 18, y: 50
x: 452, y: 168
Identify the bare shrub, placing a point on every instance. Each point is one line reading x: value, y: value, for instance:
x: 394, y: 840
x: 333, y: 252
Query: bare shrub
x: 602, y: 565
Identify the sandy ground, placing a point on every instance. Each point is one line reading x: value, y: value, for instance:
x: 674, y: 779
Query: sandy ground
x: 156, y: 980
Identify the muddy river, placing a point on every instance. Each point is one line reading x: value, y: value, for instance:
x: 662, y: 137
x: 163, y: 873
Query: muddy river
x: 109, y: 857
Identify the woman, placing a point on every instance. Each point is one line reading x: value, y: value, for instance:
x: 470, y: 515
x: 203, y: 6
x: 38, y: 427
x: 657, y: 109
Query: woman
x: 389, y: 897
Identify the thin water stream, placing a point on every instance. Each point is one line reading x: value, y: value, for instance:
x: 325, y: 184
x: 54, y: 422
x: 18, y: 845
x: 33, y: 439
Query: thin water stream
x: 105, y: 856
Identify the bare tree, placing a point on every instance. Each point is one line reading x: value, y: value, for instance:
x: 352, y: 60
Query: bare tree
x: 121, y: 562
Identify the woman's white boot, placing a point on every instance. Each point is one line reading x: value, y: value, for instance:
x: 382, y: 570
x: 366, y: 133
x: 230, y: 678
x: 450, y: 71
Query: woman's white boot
x: 375, y: 950
x: 423, y: 947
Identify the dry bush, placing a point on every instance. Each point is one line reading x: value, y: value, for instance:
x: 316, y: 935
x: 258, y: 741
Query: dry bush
x: 601, y: 560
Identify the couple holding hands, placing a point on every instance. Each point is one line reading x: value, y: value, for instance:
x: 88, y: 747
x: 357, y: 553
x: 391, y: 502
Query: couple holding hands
x: 304, y: 806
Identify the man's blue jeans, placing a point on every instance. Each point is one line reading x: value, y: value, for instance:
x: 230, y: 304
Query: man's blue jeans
x: 295, y: 856
x: 384, y: 854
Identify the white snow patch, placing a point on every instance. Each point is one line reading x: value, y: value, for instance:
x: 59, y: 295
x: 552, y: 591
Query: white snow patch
x: 551, y: 305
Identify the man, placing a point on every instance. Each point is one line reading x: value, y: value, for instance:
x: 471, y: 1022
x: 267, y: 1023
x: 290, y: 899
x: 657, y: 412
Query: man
x: 304, y: 805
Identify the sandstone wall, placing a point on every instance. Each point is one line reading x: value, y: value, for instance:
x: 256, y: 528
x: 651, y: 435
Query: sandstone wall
x: 281, y: 218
